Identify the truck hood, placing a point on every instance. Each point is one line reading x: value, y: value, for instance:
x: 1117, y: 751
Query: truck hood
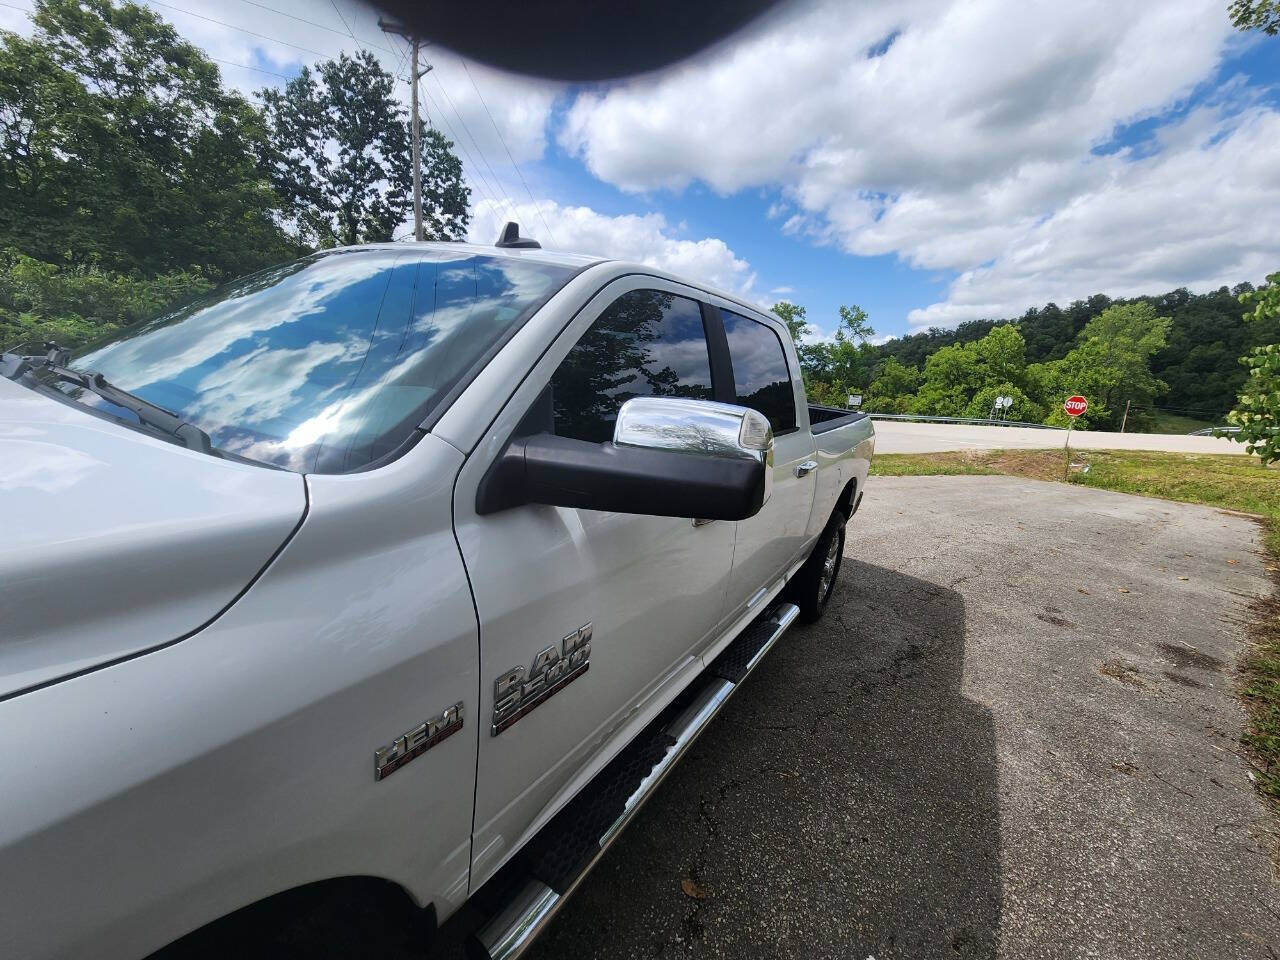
x: 113, y: 542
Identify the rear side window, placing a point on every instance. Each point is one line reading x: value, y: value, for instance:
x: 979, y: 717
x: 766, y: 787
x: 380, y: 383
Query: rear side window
x: 761, y: 380
x: 646, y: 343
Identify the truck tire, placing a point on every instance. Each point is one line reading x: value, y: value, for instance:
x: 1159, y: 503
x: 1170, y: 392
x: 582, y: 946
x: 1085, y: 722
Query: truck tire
x: 813, y: 584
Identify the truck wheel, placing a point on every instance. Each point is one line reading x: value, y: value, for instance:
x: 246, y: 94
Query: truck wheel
x: 812, y: 586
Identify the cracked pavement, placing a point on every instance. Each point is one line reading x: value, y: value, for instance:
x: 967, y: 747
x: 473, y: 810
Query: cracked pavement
x: 1013, y: 735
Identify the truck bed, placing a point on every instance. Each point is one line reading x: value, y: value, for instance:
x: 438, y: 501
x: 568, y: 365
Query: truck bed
x: 822, y: 419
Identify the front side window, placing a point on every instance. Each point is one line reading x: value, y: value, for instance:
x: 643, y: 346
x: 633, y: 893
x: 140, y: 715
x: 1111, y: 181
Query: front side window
x: 646, y: 343
x: 329, y: 363
x: 760, y: 377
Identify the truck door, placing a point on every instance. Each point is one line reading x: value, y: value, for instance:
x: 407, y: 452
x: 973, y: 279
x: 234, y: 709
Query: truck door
x: 630, y: 597
x: 770, y: 541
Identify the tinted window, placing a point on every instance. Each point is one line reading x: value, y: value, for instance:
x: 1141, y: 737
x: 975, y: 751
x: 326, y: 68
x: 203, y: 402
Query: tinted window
x: 646, y: 343
x: 329, y: 363
x: 760, y: 377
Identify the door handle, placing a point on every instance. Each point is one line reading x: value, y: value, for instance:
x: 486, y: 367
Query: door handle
x: 698, y: 522
x: 806, y: 468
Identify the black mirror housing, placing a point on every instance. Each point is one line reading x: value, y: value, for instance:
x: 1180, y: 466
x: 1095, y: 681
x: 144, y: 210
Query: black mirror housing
x: 558, y: 471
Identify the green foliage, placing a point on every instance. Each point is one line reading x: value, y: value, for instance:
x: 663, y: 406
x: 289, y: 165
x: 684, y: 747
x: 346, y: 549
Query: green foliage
x: 121, y: 151
x: 1261, y: 15
x: 854, y: 322
x: 446, y: 199
x: 72, y: 305
x: 893, y: 388
x: 1111, y: 366
x: 1023, y: 409
x: 963, y: 378
x: 833, y: 369
x: 341, y: 157
x: 1257, y: 411
x: 1265, y: 302
x: 1199, y: 361
x: 793, y: 316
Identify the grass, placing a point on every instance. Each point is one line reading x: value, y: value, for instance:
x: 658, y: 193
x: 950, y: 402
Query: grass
x: 1228, y: 482
x: 1173, y: 423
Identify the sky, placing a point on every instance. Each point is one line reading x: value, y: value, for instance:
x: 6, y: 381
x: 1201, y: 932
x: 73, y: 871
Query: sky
x: 933, y: 162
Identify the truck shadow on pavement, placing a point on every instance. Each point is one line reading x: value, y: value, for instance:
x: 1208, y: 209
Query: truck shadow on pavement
x: 844, y: 804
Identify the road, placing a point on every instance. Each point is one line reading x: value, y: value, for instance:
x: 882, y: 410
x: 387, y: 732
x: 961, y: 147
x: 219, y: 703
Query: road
x: 1013, y: 736
x: 898, y: 436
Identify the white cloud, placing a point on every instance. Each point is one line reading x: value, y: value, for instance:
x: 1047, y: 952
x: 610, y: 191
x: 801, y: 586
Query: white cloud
x: 642, y: 238
x: 966, y: 143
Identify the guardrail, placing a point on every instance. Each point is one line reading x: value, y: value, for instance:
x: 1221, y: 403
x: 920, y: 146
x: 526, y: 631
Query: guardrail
x: 965, y: 420
x: 1213, y: 431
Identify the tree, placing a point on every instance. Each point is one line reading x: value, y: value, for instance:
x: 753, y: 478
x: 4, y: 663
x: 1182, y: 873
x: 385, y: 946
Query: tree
x: 446, y: 199
x: 853, y: 320
x: 1261, y: 15
x: 962, y: 380
x: 793, y: 316
x: 121, y: 151
x: 71, y: 305
x: 341, y: 157
x: 893, y: 388
x: 1257, y: 411
x: 1110, y: 366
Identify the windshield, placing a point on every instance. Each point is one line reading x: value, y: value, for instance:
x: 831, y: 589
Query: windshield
x: 329, y: 363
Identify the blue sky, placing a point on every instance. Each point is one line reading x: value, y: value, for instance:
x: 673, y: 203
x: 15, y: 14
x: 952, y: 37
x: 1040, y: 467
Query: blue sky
x: 997, y: 154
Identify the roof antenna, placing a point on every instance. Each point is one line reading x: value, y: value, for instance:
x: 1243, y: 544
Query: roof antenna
x: 511, y: 238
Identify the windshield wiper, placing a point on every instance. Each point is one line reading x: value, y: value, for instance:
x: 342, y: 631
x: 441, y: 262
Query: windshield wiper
x: 166, y: 421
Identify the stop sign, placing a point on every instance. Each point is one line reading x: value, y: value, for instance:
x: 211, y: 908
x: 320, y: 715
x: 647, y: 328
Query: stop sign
x: 1075, y: 406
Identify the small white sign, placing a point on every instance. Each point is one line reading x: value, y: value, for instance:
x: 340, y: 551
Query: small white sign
x: 855, y: 399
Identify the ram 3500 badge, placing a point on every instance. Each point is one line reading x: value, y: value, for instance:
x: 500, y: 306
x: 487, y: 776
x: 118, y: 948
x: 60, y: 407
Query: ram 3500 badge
x: 518, y: 691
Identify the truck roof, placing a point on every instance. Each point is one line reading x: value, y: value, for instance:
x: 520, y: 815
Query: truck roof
x: 580, y: 260
x: 531, y: 254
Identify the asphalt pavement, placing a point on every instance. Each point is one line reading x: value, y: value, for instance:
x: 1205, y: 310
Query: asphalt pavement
x: 901, y: 436
x: 1014, y: 735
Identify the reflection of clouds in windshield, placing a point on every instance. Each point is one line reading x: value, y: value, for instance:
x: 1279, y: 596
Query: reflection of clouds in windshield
x: 317, y: 366
x: 340, y: 417
x: 172, y: 351
x: 261, y: 386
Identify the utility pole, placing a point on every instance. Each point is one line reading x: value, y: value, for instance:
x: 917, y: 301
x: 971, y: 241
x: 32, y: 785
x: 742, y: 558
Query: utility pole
x: 390, y: 27
x: 1125, y: 419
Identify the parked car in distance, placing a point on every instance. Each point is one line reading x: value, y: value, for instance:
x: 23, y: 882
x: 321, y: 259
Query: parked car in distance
x: 401, y: 574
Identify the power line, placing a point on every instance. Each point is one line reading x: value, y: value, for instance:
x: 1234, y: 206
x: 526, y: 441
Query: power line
x: 480, y: 186
x: 503, y: 141
x: 476, y: 143
x: 245, y: 66
x: 321, y: 26
x: 346, y: 26
x: 232, y: 26
x: 477, y: 175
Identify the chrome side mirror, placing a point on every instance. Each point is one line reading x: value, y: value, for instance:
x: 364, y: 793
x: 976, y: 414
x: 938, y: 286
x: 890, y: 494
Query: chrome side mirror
x: 699, y: 428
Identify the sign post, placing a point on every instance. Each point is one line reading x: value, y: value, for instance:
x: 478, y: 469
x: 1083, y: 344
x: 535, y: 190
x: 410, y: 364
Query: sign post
x: 1072, y: 407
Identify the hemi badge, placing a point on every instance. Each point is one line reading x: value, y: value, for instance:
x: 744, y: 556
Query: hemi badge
x: 416, y: 742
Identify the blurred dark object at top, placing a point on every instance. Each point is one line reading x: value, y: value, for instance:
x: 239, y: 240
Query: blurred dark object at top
x: 576, y: 39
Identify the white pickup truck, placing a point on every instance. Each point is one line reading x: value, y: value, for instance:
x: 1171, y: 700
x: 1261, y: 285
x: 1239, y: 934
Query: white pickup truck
x: 381, y: 582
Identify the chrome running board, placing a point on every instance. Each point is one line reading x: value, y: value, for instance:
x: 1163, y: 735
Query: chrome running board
x: 584, y: 830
